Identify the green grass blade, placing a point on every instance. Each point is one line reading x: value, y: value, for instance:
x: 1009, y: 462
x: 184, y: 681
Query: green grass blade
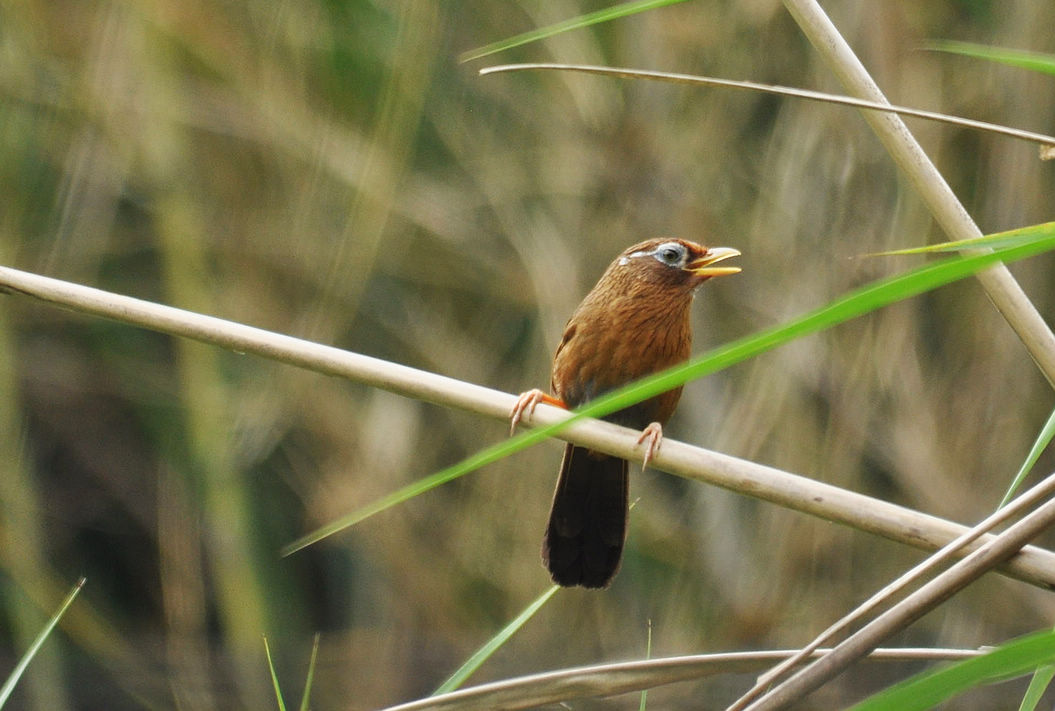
x: 592, y: 18
x: 859, y: 302
x: 483, y: 653
x: 648, y: 655
x: 994, y: 241
x: 20, y: 668
x: 929, y: 689
x: 1037, y: 686
x: 1034, y: 61
x: 311, y: 674
x: 274, y: 676
x: 1039, y: 445
x: 480, y: 459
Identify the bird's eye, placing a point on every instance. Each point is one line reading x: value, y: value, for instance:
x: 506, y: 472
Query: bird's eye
x: 670, y: 254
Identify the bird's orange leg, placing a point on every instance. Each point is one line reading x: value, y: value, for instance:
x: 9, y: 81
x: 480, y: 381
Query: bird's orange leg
x: 526, y: 403
x: 654, y: 434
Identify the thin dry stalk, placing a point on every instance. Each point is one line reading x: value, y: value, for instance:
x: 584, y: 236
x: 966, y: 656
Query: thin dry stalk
x: 1044, y: 141
x: 1019, y: 505
x: 624, y: 677
x: 999, y: 284
x: 1033, y: 565
x: 913, y: 607
x: 1006, y: 295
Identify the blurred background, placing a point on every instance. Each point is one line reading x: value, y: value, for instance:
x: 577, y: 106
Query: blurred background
x: 329, y: 170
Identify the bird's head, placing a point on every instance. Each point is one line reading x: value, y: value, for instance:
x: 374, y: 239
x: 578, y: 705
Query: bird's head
x: 675, y: 262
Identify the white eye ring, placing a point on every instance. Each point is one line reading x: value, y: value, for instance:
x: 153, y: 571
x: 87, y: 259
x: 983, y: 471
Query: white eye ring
x: 670, y: 254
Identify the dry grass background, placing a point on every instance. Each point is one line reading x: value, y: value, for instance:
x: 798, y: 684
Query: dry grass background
x: 329, y: 170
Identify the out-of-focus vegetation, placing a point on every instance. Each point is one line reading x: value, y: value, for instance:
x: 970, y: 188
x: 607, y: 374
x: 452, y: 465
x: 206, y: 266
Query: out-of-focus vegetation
x: 328, y: 170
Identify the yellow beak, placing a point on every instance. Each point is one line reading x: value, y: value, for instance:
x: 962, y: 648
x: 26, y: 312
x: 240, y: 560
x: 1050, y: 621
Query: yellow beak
x: 703, y: 266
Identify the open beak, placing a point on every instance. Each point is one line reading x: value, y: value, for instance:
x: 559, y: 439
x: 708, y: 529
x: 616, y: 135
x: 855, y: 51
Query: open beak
x: 704, y: 266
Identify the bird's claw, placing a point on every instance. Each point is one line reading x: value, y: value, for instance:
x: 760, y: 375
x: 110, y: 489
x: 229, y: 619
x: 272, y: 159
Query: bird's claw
x: 526, y: 404
x: 654, y: 434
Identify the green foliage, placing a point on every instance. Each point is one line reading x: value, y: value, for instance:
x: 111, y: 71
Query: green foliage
x: 648, y: 655
x: 306, y: 696
x: 481, y: 655
x: 274, y: 677
x: 593, y: 18
x: 1033, y: 61
x: 929, y: 689
x: 20, y: 668
x: 1044, y: 438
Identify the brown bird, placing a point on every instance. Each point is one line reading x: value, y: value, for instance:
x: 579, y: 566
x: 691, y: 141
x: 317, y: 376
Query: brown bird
x: 633, y: 323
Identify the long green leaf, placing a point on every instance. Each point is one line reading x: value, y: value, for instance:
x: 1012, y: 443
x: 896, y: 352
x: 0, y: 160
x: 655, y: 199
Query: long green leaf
x: 481, y: 655
x: 274, y: 676
x: 1010, y: 238
x: 931, y: 688
x: 1034, y: 61
x: 306, y: 697
x: 1037, y: 686
x: 643, y: 703
x: 20, y: 668
x: 592, y: 18
x: 861, y: 301
x: 1047, y: 432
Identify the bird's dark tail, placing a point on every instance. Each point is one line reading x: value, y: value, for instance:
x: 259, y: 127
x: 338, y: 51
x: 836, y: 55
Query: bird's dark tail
x: 587, y: 523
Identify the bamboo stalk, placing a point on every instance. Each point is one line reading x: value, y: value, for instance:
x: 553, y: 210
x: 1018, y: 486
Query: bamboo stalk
x: 1033, y: 565
x: 1019, y: 506
x: 1005, y: 293
x: 624, y: 677
x: 913, y: 607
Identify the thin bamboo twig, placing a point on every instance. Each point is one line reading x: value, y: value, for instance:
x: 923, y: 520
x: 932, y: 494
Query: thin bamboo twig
x: 623, y: 677
x: 1032, y: 496
x: 999, y: 284
x: 675, y: 78
x: 913, y: 607
x: 1033, y: 565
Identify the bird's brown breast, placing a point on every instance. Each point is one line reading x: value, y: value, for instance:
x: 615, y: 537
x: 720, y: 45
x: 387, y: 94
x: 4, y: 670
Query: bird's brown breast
x: 618, y: 336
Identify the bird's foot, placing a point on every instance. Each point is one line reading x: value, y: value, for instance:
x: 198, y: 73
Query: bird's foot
x: 526, y: 403
x: 654, y: 434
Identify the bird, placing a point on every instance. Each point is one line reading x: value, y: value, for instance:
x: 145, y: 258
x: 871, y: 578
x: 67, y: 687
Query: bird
x: 634, y: 322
